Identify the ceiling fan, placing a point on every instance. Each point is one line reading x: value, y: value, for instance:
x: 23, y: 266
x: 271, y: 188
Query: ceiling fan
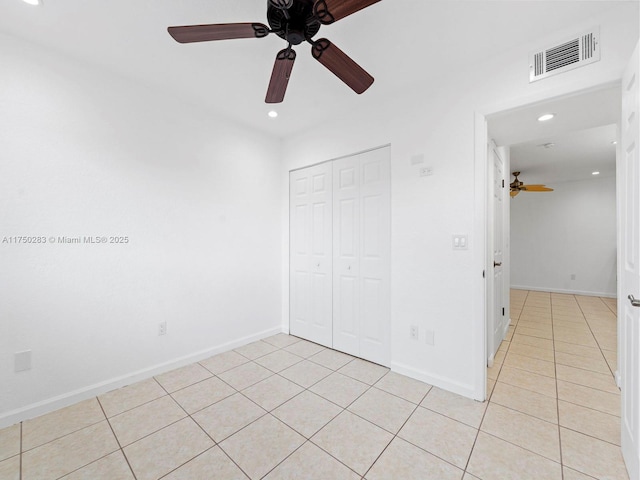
x: 295, y: 21
x: 517, y: 186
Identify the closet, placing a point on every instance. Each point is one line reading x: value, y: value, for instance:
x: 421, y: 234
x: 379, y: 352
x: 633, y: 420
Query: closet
x: 340, y: 254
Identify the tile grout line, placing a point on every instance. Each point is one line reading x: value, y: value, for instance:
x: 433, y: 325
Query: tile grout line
x: 594, y: 337
x: 598, y: 343
x: 117, y: 440
x: 395, y: 435
x: 555, y: 369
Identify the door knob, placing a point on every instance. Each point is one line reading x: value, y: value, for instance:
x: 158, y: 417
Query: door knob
x: 497, y: 264
x: 634, y: 302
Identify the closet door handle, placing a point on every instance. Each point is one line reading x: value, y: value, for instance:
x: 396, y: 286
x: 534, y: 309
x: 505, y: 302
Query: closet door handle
x: 497, y: 264
x: 634, y: 302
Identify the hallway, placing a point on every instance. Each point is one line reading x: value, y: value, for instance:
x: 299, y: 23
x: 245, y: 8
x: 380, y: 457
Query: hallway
x: 556, y: 367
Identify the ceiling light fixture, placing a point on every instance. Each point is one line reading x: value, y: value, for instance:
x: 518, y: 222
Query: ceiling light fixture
x: 33, y: 2
x: 272, y: 114
x: 595, y: 173
x: 546, y: 117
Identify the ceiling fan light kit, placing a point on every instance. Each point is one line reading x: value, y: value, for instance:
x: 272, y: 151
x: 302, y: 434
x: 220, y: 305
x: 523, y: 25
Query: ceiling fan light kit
x: 295, y: 21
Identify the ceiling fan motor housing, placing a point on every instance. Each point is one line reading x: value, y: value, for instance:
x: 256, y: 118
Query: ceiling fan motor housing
x: 295, y: 24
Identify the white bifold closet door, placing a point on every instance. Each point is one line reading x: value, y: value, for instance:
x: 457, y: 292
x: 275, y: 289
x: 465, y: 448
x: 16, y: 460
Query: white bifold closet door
x: 310, y: 269
x: 340, y: 254
x: 361, y: 255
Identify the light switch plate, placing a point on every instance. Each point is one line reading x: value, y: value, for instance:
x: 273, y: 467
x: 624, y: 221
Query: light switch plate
x: 461, y: 242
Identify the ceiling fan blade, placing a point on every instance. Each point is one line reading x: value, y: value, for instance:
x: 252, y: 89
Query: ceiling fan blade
x: 513, y: 193
x: 341, y: 65
x: 329, y: 11
x: 536, y: 188
x: 220, y: 31
x: 280, y: 75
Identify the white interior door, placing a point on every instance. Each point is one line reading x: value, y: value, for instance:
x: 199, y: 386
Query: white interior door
x: 629, y: 315
x: 310, y: 266
x: 362, y: 242
x: 496, y: 314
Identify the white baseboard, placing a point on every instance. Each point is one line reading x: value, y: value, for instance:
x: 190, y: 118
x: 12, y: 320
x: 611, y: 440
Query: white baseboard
x: 491, y: 360
x: 51, y: 404
x: 568, y: 292
x: 435, y: 380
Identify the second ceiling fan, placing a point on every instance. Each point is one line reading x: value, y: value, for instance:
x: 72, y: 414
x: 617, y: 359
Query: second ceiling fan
x: 295, y: 21
x: 517, y: 186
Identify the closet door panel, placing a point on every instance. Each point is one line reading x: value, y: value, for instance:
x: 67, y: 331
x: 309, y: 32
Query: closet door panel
x: 346, y: 235
x: 311, y: 254
x: 375, y: 244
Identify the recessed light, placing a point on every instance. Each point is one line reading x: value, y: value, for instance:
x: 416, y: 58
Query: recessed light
x: 272, y: 114
x: 595, y: 173
x: 546, y: 117
x: 33, y: 2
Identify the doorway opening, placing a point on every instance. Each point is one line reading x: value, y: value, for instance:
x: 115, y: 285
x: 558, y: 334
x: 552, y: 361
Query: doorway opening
x: 549, y: 153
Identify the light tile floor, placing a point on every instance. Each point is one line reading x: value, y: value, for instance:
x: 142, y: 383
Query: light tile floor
x: 285, y: 408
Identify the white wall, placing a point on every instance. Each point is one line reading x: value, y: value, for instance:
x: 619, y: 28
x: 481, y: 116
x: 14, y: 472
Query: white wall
x: 90, y: 154
x: 433, y: 286
x: 570, y: 231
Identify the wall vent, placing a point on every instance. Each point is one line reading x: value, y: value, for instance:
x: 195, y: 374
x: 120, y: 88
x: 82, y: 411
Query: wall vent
x: 575, y: 52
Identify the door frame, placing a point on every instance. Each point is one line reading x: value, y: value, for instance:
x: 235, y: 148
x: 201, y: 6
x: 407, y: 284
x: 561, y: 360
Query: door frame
x: 480, y: 225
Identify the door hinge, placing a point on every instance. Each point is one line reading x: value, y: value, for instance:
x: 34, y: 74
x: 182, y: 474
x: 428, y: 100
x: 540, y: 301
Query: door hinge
x: 482, y: 273
x: 503, y: 311
x: 503, y: 183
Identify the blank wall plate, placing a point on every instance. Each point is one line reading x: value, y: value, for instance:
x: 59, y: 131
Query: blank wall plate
x: 23, y: 361
x: 429, y: 337
x: 417, y: 159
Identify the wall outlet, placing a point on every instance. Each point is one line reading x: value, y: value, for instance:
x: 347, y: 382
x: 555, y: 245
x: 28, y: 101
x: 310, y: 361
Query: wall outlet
x: 162, y: 328
x: 413, y: 332
x: 429, y: 337
x: 22, y: 361
x: 426, y: 171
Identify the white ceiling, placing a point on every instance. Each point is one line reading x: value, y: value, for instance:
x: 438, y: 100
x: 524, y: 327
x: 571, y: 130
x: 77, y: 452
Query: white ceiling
x: 574, y: 156
x: 402, y: 43
x: 581, y: 131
